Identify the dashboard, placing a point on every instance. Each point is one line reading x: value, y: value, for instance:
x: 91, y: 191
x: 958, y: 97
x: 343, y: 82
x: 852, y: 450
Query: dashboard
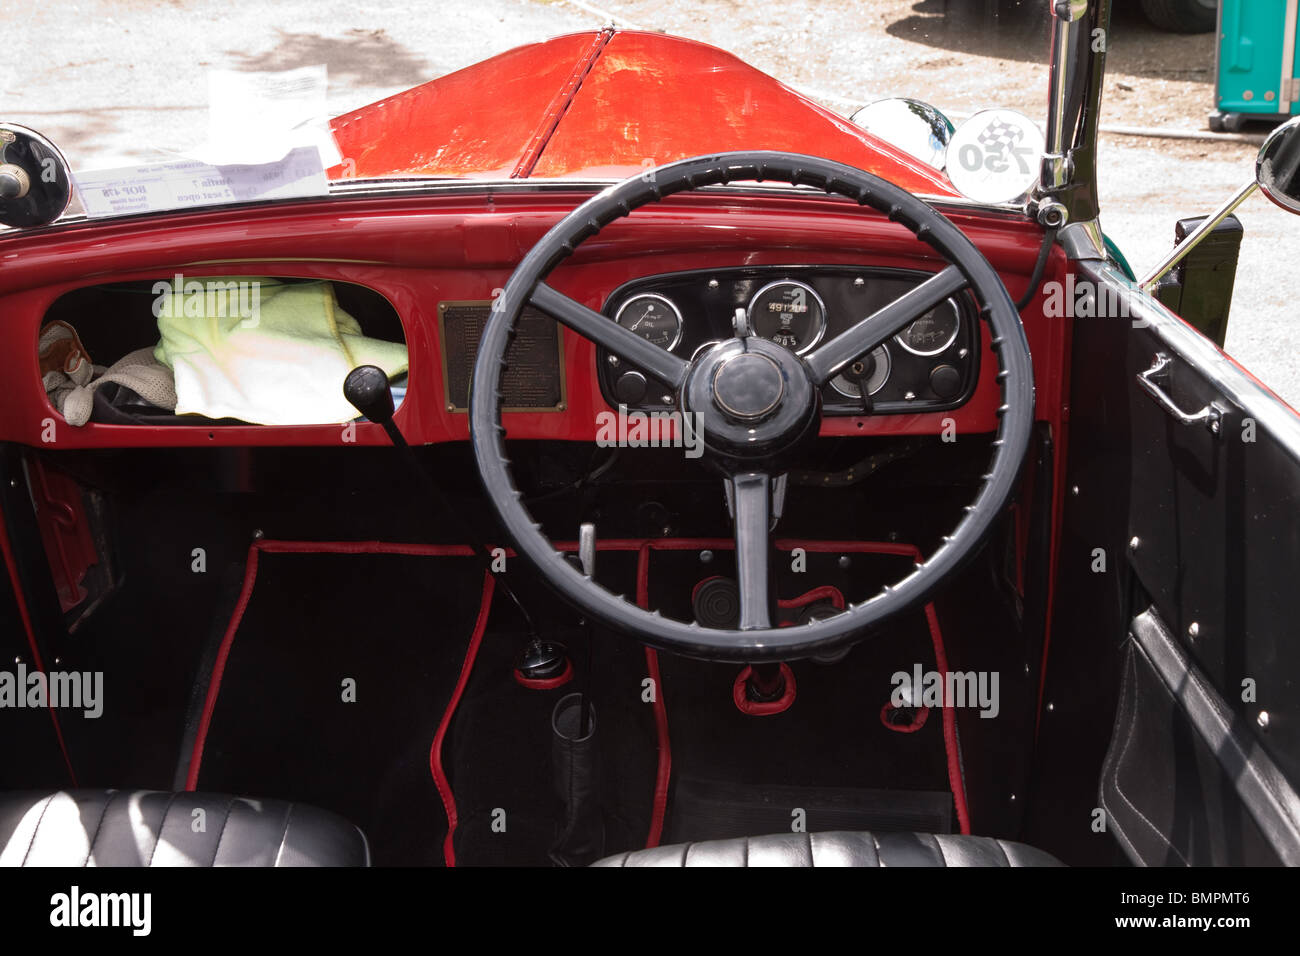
x: 930, y: 365
x: 438, y: 260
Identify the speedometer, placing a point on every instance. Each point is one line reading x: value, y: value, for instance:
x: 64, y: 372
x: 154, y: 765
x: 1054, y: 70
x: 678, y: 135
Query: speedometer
x: 653, y: 317
x: 788, y: 313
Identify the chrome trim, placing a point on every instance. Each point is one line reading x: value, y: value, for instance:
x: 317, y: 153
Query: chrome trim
x: 821, y: 329
x: 1078, y: 67
x: 1069, y: 10
x: 1193, y: 239
x: 681, y: 322
x: 956, y: 331
x: 1211, y: 416
x: 1058, y: 138
x: 1083, y: 241
x: 914, y: 126
x: 889, y: 370
x: 1273, y: 170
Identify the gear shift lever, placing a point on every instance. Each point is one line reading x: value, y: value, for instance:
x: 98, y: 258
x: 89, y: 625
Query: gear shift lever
x: 367, y: 389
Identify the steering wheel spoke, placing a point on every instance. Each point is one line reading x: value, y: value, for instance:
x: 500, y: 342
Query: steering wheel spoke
x: 751, y: 495
x: 605, y: 331
x: 827, y: 360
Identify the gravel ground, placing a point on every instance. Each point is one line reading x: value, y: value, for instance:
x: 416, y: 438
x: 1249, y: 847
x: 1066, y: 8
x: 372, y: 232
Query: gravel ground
x: 111, y: 80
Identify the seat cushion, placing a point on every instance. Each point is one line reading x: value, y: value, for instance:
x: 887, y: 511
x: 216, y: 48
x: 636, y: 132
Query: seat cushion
x: 840, y: 848
x: 151, y: 828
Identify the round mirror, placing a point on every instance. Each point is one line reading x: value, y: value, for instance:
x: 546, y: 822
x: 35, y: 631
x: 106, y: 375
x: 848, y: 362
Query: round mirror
x: 1278, y: 168
x: 35, y: 183
x: 916, y: 128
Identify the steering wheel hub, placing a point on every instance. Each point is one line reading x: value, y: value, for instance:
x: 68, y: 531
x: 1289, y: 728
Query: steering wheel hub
x: 753, y: 399
x: 747, y: 387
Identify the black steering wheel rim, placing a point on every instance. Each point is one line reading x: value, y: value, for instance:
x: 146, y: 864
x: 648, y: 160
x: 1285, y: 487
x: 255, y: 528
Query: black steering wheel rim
x: 526, y: 285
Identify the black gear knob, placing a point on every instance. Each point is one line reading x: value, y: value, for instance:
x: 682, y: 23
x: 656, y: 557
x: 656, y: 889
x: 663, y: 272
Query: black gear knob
x: 368, y: 391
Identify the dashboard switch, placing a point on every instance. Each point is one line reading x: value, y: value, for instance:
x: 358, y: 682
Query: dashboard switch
x: 630, y: 388
x: 946, y: 381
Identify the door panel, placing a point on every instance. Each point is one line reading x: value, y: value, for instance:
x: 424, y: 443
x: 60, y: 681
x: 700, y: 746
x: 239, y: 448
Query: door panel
x: 1214, y: 552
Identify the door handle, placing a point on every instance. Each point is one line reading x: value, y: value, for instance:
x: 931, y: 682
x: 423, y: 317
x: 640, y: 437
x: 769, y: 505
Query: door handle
x: 1211, y: 416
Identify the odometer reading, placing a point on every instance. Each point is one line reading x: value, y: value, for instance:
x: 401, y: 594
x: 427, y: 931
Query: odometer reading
x: 788, y: 313
x: 652, y: 317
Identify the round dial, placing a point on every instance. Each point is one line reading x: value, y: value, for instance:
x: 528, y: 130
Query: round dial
x: 932, y: 332
x: 869, y: 372
x: 788, y: 313
x: 652, y: 317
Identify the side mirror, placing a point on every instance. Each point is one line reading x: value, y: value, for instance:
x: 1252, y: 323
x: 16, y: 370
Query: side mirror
x: 1277, y: 170
x: 1277, y: 176
x: 916, y: 128
x: 35, y: 182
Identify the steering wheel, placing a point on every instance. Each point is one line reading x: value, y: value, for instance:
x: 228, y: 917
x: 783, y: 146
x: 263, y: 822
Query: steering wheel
x: 758, y: 404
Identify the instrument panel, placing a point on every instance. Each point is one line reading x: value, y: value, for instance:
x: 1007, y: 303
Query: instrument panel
x: 931, y: 365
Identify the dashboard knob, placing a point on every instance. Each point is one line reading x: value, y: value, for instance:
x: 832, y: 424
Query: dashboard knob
x: 630, y: 388
x: 946, y: 381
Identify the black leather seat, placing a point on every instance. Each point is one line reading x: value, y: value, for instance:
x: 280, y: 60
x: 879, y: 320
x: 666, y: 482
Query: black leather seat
x: 841, y: 848
x: 150, y: 828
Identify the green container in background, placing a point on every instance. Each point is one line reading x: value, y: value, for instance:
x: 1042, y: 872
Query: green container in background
x: 1256, y: 62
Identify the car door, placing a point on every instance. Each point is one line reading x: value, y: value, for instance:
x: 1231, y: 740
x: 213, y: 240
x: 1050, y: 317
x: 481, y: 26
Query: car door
x: 1203, y: 763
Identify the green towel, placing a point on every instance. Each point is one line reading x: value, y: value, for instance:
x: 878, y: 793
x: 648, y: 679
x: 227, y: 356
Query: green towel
x: 262, y: 350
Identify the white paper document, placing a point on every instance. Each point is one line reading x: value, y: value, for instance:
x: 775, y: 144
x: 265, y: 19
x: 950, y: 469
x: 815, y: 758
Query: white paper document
x: 189, y: 182
x: 256, y: 118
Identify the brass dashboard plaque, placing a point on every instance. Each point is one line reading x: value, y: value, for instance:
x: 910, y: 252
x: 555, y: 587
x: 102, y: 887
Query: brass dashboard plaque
x: 533, y: 380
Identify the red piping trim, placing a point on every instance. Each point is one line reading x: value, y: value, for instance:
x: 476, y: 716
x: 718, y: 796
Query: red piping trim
x: 219, y: 666
x: 246, y: 593
x: 21, y: 600
x: 558, y: 106
x: 922, y: 715
x: 545, y: 683
x: 664, y: 771
x: 955, y: 780
x: 756, y: 708
x: 435, y: 751
x: 827, y: 592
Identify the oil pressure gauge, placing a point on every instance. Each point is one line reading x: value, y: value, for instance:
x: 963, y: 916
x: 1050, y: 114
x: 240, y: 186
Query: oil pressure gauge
x: 653, y: 317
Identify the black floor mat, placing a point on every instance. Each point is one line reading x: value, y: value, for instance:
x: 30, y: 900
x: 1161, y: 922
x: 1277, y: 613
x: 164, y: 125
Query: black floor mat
x: 831, y: 738
x: 709, y: 810
x: 499, y: 750
x: 398, y: 626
